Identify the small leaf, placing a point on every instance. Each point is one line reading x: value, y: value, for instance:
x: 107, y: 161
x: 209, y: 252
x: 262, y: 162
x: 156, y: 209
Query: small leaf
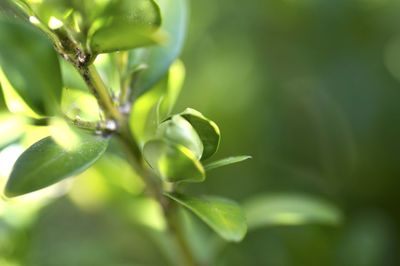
x: 126, y: 25
x: 30, y: 64
x: 156, y: 104
x: 208, y: 131
x: 179, y: 131
x: 224, y: 216
x: 226, y: 161
x: 173, y: 163
x: 46, y: 163
x: 159, y: 58
x: 176, y: 78
x: 289, y: 209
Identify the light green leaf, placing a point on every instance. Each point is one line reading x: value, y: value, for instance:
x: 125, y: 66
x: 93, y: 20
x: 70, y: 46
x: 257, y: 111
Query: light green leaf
x: 226, y: 161
x: 173, y: 163
x: 71, y: 77
x: 290, y: 209
x: 156, y: 104
x: 176, y: 78
x: 179, y: 131
x: 159, y: 58
x: 50, y: 10
x: 208, y: 131
x: 224, y: 216
x: 30, y: 64
x: 12, y: 127
x: 46, y: 163
x: 126, y: 25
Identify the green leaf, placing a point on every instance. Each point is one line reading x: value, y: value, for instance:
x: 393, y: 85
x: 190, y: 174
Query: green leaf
x: 208, y: 131
x: 156, y: 104
x: 71, y: 77
x: 159, y: 58
x: 30, y: 64
x: 173, y: 163
x: 289, y: 209
x: 46, y: 163
x: 3, y: 106
x: 8, y: 9
x: 12, y: 127
x: 226, y: 161
x: 179, y: 131
x: 126, y: 25
x: 224, y: 216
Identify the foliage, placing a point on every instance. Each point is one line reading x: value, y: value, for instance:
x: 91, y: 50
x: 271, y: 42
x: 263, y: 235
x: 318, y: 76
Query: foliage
x: 101, y: 78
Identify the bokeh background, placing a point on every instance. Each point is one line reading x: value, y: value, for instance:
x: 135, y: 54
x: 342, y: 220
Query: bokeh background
x: 311, y: 90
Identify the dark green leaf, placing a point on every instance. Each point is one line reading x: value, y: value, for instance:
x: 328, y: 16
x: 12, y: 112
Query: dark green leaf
x: 46, y: 163
x: 159, y: 58
x: 173, y: 163
x: 179, y: 131
x: 224, y: 216
x: 226, y: 161
x: 288, y: 209
x: 208, y: 131
x: 127, y: 24
x: 30, y: 64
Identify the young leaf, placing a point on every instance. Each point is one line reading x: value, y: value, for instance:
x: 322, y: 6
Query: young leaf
x: 224, y: 216
x: 46, y: 163
x: 179, y: 131
x: 173, y: 163
x: 126, y: 25
x: 208, y: 131
x: 289, y: 209
x: 159, y: 58
x: 156, y: 104
x: 30, y: 64
x: 226, y: 161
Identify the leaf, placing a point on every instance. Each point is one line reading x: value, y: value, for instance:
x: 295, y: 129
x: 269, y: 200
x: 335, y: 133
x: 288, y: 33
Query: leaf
x: 46, y: 163
x: 30, y: 64
x: 8, y: 9
x: 46, y: 10
x: 159, y: 58
x: 224, y: 216
x: 126, y: 25
x: 208, y: 131
x: 156, y: 104
x: 176, y: 77
x: 12, y: 127
x: 290, y: 209
x: 3, y: 106
x: 71, y: 77
x: 173, y: 163
x: 179, y: 131
x: 226, y: 161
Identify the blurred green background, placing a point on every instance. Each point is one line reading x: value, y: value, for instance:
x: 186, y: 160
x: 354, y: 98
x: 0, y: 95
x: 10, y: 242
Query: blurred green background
x: 311, y: 90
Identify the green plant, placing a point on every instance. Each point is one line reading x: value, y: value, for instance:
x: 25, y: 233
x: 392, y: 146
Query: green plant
x: 100, y: 71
